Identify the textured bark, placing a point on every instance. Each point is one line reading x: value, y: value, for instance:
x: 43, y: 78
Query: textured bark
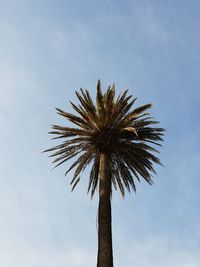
x: 105, y: 254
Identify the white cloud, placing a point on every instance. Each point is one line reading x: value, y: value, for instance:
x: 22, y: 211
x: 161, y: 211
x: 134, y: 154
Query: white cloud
x: 157, y: 252
x: 145, y: 253
x: 32, y: 257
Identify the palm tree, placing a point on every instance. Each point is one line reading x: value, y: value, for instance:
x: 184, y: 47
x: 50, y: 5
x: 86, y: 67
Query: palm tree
x: 117, y: 141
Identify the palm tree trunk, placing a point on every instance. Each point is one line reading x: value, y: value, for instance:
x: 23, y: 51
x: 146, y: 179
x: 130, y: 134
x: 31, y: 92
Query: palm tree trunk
x: 105, y: 254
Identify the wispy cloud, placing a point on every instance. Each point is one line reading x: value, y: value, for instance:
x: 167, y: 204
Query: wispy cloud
x: 155, y: 251
x: 28, y: 256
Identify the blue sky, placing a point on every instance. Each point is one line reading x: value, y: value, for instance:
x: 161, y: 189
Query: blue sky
x: 49, y: 49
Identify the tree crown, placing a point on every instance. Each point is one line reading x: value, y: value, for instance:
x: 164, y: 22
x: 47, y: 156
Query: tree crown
x: 108, y: 126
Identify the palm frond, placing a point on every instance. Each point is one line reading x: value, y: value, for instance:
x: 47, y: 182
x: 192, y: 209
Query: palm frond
x: 75, y: 184
x: 100, y: 103
x: 74, y: 119
x: 94, y: 176
x: 83, y: 161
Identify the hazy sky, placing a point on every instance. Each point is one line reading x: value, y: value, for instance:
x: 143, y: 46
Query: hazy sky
x: 49, y: 49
